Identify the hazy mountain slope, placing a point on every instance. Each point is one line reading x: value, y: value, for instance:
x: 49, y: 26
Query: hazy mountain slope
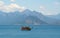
x: 20, y: 18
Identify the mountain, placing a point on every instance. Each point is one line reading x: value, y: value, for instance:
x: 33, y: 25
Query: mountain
x: 25, y: 17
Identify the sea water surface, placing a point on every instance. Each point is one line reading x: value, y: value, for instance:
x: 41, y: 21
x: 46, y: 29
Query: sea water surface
x: 38, y: 31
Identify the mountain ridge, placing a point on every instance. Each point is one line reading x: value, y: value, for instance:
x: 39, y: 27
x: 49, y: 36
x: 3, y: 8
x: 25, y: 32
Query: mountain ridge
x: 26, y: 17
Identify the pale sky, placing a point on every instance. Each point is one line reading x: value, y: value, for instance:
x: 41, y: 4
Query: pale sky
x: 46, y: 7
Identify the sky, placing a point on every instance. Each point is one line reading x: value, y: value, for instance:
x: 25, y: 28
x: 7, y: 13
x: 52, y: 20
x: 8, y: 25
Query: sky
x: 46, y: 7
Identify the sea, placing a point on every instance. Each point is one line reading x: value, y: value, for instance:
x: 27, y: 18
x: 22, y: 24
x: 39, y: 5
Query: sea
x: 37, y: 31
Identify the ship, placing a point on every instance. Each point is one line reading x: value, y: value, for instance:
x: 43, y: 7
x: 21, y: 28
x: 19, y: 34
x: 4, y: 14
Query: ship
x: 26, y: 28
